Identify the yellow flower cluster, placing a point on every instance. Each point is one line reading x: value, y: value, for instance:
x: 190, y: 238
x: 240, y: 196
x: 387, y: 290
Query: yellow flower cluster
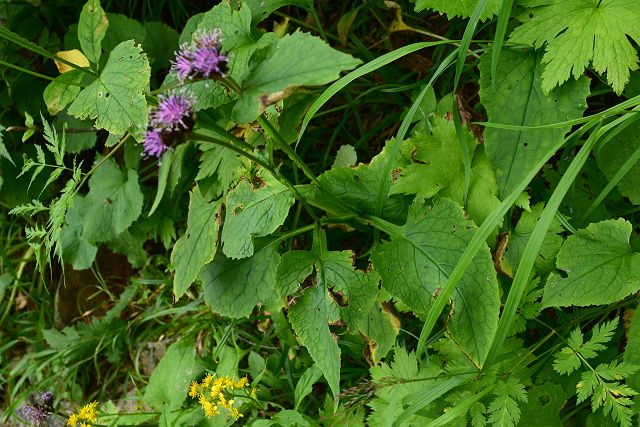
x: 211, y: 394
x: 85, y: 416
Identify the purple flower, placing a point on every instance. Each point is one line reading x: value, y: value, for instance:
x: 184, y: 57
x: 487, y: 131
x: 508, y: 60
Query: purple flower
x: 200, y: 58
x: 33, y: 414
x: 172, y: 110
x: 46, y: 397
x: 153, y: 144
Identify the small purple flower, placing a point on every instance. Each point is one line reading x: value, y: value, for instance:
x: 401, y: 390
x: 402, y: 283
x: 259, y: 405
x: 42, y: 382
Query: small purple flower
x: 36, y: 416
x: 153, y: 145
x: 46, y: 397
x: 172, y: 110
x: 200, y: 58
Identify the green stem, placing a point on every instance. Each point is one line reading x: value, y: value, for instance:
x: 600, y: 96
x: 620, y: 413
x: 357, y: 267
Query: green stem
x: 33, y: 73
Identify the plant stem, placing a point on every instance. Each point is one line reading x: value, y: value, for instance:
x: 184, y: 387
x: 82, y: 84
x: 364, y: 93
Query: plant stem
x: 104, y: 159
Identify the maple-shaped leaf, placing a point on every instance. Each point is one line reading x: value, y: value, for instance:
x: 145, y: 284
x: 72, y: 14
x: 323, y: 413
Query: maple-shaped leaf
x: 582, y: 32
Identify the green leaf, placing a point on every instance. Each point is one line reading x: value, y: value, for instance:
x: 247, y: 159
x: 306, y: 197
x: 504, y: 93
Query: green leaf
x: 346, y: 156
x: 517, y: 99
x: 59, y: 93
x: 163, y: 177
x: 92, y: 28
x: 114, y: 202
x: 632, y: 349
x: 380, y: 327
x: 437, y: 167
x: 615, y: 153
x: 419, y: 258
x: 310, y: 317
x: 570, y: 357
x: 504, y: 409
x: 582, y: 32
x: 518, y: 238
x: 305, y: 384
x: 253, y: 212
x: 116, y: 99
x: 199, y: 243
x: 169, y: 382
x: 544, y: 403
x: 397, y: 381
x: 461, y: 8
x: 233, y: 287
x: 226, y: 165
x: 357, y: 188
x: 122, y: 28
x: 600, y: 267
x: 288, y: 65
x: 77, y: 250
x: 76, y: 141
x: 4, y: 153
x: 260, y: 9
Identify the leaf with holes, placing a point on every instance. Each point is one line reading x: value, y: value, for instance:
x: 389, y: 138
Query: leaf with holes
x: 518, y: 99
x: 116, y: 99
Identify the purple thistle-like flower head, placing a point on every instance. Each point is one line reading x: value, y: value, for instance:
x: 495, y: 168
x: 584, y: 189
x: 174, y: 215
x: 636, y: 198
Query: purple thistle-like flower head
x: 202, y: 57
x: 153, y: 145
x: 46, y: 397
x: 36, y: 416
x: 172, y: 110
x: 209, y: 61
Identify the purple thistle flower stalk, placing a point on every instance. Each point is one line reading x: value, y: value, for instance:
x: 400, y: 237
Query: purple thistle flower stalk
x: 35, y: 415
x: 172, y: 110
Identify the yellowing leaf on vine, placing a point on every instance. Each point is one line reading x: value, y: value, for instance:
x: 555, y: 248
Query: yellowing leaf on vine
x: 74, y: 56
x: 582, y: 32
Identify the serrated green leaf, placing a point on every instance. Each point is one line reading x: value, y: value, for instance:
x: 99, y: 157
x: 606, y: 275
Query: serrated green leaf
x: 169, y: 382
x: 397, y: 380
x: 461, y: 8
x: 114, y: 202
x: 504, y: 410
x: 116, y: 99
x: 615, y: 153
x: 632, y: 349
x: 288, y: 65
x: 253, y: 212
x: 76, y: 250
x: 437, y: 167
x: 310, y: 317
x: 517, y: 99
x: 198, y: 245
x: 582, y: 32
x: 417, y: 261
x: 224, y: 164
x: 600, y: 267
x: 92, y: 28
x: 234, y: 287
x: 59, y: 93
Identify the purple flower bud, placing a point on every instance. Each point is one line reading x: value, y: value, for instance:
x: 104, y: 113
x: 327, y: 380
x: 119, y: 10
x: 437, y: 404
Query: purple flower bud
x: 209, y: 61
x: 172, y: 110
x: 153, y: 145
x: 46, y: 397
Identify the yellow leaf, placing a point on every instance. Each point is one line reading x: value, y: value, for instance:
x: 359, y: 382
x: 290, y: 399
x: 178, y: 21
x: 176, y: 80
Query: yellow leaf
x: 74, y: 56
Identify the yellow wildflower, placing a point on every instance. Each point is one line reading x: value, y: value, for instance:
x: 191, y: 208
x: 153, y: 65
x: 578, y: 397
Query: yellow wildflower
x: 85, y: 417
x: 214, y: 393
